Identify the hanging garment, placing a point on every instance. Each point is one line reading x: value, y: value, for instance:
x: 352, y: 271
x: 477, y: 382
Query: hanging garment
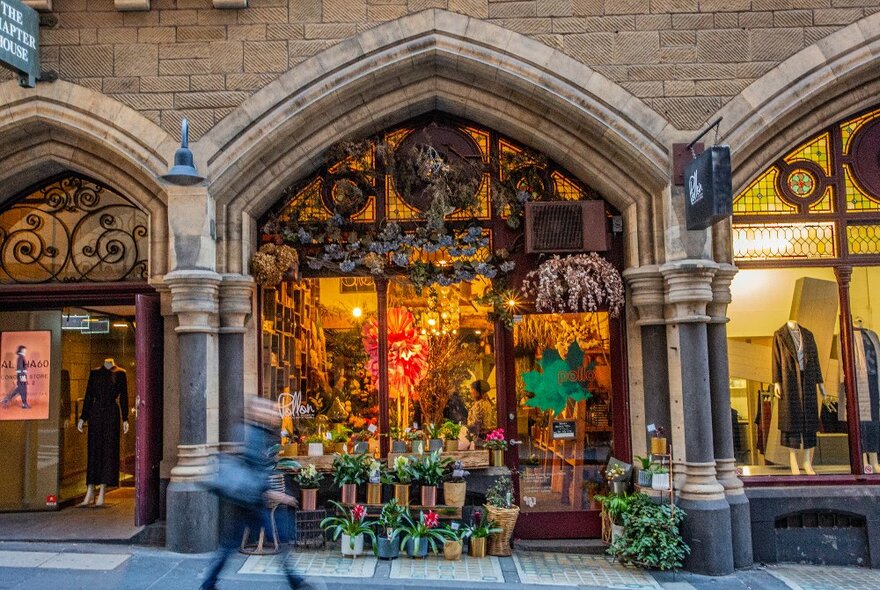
x: 866, y: 347
x: 798, y: 374
x: 106, y: 402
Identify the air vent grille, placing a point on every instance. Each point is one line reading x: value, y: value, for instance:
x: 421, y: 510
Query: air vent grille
x: 566, y: 227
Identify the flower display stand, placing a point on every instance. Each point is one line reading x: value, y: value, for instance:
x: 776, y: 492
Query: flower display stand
x: 308, y: 529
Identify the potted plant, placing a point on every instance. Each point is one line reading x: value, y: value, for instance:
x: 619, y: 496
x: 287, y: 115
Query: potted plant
x: 362, y: 441
x: 420, y: 535
x: 660, y: 479
x: 651, y: 537
x: 500, y: 508
x: 497, y: 444
x: 455, y: 487
x: 614, y: 506
x: 452, y: 545
x: 351, y: 526
x: 659, y: 445
x: 416, y: 440
x: 315, y: 445
x: 339, y: 439
x: 614, y: 474
x: 398, y: 444
x: 374, y: 482
x: 435, y: 437
x: 349, y: 471
x: 403, y: 477
x: 309, y: 481
x: 386, y: 546
x: 451, y: 432
x: 478, y: 533
x: 428, y: 471
x: 645, y: 472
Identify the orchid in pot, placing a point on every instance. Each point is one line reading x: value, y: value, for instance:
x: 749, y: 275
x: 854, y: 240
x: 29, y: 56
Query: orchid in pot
x: 497, y: 444
x: 403, y: 476
x: 374, y: 482
x: 422, y: 534
x: 351, y: 526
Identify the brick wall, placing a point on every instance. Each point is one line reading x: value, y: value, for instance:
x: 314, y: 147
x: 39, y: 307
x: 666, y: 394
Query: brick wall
x: 685, y: 58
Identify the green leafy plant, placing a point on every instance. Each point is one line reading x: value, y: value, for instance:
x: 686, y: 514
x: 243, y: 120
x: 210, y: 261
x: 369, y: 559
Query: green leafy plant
x: 397, y: 432
x: 645, y: 462
x: 451, y: 430
x: 402, y: 472
x: 390, y: 518
x: 341, y: 435
x: 309, y: 478
x: 501, y: 495
x: 615, y: 506
x: 481, y: 526
x: 430, y: 469
x: 426, y: 529
x: 456, y: 532
x: 315, y: 438
x: 651, y: 537
x: 350, y: 469
x: 349, y: 522
x: 435, y: 431
x: 659, y: 469
x: 415, y: 435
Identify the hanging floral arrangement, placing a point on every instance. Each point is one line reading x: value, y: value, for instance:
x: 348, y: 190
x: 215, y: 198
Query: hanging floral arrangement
x: 407, y: 350
x: 272, y: 262
x: 579, y: 283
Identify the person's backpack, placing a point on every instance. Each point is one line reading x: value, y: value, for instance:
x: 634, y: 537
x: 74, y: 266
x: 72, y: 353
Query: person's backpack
x: 238, y: 481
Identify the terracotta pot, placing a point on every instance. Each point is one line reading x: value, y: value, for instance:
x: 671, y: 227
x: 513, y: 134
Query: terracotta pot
x: 450, y: 446
x: 349, y: 493
x: 496, y: 458
x: 374, y: 493
x: 658, y: 445
x: 454, y: 493
x: 309, y: 500
x: 452, y: 550
x: 477, y: 547
x: 401, y: 493
x: 429, y: 496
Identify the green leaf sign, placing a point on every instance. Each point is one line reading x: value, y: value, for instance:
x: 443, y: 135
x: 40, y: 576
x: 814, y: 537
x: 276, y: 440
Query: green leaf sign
x: 559, y: 380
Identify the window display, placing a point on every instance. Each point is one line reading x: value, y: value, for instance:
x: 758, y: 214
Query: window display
x: 866, y: 348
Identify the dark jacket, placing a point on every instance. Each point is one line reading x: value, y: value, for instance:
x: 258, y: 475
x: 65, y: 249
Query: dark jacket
x: 21, y: 370
x: 798, y: 405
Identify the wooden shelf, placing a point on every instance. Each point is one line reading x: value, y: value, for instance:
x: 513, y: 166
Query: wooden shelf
x: 444, y: 512
x: 469, y: 459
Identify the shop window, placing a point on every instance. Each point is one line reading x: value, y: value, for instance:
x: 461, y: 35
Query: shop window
x: 864, y: 286
x: 73, y: 230
x: 563, y: 385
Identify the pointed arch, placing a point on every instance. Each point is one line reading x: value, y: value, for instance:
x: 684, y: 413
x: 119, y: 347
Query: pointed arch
x: 437, y: 61
x: 61, y: 126
x: 812, y: 89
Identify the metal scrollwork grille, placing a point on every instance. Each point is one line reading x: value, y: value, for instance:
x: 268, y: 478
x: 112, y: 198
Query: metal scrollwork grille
x: 73, y: 230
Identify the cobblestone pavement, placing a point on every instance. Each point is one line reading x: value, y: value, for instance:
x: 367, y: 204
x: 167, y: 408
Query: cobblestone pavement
x: 39, y: 566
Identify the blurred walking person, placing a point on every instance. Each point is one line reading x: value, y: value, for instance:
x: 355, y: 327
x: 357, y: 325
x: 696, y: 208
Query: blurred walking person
x: 242, y: 481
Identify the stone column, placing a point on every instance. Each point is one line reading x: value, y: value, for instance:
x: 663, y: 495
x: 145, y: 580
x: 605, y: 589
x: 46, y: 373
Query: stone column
x: 647, y: 296
x: 707, y: 528
x: 236, y: 297
x: 192, y: 510
x: 722, y: 424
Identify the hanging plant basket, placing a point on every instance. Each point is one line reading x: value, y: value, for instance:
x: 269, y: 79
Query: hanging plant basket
x: 574, y: 284
x: 272, y: 263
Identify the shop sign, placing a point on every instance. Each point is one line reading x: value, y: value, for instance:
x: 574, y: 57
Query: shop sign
x: 708, y: 188
x: 25, y: 371
x: 20, y: 40
x: 564, y: 429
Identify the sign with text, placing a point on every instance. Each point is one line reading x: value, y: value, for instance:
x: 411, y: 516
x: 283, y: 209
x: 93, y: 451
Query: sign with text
x: 25, y: 370
x: 564, y: 429
x: 20, y: 40
x: 708, y: 188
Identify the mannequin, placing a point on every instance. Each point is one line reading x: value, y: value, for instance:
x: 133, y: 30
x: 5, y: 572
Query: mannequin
x: 105, y: 403
x: 797, y: 377
x: 866, y: 345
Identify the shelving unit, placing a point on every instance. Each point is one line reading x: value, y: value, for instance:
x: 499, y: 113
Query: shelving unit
x: 291, y: 332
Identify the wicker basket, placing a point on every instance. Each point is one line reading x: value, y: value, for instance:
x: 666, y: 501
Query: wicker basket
x: 505, y: 518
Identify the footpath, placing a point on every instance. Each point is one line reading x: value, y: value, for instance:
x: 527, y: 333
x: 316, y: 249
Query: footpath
x: 54, y: 566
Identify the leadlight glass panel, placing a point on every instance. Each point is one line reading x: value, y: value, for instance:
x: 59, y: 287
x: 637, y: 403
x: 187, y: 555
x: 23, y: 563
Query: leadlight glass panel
x: 791, y: 241
x: 856, y: 198
x: 849, y: 129
x: 863, y: 239
x: 762, y: 197
x: 816, y: 151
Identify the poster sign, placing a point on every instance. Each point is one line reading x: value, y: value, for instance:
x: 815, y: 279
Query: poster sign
x: 25, y: 369
x: 708, y: 188
x: 20, y: 40
x: 563, y: 429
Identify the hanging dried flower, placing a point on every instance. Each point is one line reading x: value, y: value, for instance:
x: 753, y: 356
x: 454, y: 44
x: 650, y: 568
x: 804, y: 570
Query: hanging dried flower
x: 271, y: 262
x: 579, y: 283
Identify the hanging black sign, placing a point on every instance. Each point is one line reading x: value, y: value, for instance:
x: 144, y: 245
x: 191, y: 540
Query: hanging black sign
x: 708, y: 189
x: 20, y: 40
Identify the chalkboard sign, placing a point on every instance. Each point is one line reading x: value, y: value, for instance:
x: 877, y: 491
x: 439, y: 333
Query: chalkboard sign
x: 563, y: 429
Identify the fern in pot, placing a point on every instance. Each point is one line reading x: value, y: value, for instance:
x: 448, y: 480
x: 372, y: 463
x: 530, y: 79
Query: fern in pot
x: 502, y: 509
x: 389, y: 522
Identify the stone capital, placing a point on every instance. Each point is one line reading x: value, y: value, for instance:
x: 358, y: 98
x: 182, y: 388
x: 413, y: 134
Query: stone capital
x: 688, y: 289
x: 236, y: 300
x: 700, y: 482
x: 194, y: 299
x: 647, y: 293
x: 721, y: 296
x: 194, y: 463
x: 726, y: 474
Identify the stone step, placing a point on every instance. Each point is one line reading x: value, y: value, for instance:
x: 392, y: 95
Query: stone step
x: 578, y: 546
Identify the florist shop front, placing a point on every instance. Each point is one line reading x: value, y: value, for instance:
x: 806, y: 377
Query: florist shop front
x: 494, y: 274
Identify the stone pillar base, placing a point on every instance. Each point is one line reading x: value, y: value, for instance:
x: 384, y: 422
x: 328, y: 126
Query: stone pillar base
x: 741, y: 527
x: 707, y: 531
x: 192, y: 518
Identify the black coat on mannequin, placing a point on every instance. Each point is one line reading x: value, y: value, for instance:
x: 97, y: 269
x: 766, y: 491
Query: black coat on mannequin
x: 105, y: 404
x: 799, y: 403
